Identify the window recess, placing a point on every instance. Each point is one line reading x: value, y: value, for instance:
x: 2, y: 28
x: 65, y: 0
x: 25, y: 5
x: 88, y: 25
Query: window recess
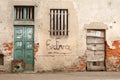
x: 24, y: 13
x: 59, y: 22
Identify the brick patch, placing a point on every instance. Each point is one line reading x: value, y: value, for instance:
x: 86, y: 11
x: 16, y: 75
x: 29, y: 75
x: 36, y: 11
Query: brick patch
x: 8, y: 48
x: 36, y: 48
x: 80, y: 66
x: 113, y: 57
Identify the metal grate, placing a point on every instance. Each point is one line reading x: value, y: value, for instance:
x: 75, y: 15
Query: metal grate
x: 24, y: 13
x: 59, y: 22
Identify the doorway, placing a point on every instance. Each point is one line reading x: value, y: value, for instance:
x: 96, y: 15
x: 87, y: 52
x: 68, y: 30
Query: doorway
x: 95, y: 50
x: 24, y: 45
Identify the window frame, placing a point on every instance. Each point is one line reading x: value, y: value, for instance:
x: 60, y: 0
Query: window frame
x: 25, y: 13
x: 59, y: 23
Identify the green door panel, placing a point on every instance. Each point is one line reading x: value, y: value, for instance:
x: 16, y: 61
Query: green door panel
x: 19, y: 33
x: 29, y: 34
x: 29, y: 45
x: 29, y: 56
x: 24, y: 45
x: 19, y: 44
x: 18, y: 54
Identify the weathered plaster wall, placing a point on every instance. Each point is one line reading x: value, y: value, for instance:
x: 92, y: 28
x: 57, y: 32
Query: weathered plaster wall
x: 55, y: 53
x: 104, y: 13
x: 6, y: 35
x: 70, y: 53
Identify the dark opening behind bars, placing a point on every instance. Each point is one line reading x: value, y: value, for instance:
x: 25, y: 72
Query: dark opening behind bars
x: 59, y: 22
x: 24, y: 13
x: 1, y: 59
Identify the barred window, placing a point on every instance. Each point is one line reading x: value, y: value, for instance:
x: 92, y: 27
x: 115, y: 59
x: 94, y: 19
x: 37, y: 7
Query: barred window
x: 58, y: 22
x: 24, y: 13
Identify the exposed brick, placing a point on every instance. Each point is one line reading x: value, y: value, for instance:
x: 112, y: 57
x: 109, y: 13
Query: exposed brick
x: 8, y: 47
x: 17, y: 65
x: 113, y: 57
x: 36, y: 48
x: 81, y: 66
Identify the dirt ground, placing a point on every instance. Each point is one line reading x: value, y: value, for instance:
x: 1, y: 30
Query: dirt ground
x: 61, y: 76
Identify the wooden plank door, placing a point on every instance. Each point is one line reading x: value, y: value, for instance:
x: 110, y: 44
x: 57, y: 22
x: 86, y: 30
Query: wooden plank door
x: 95, y: 50
x: 24, y: 45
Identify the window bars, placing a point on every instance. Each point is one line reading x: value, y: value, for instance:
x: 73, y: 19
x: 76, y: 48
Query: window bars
x: 24, y: 13
x: 58, y: 22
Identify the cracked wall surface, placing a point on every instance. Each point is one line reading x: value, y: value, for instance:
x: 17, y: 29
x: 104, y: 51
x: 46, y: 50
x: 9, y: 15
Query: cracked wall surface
x: 64, y: 54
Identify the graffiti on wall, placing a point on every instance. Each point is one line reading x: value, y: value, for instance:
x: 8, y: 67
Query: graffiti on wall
x: 55, y: 47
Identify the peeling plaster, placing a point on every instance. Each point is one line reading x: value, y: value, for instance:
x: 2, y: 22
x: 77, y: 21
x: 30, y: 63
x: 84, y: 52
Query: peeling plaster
x: 78, y: 65
x: 113, y: 57
x: 102, y: 14
x: 36, y: 47
x: 8, y: 47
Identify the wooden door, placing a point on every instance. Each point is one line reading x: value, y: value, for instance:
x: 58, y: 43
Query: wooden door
x: 24, y: 45
x: 95, y: 49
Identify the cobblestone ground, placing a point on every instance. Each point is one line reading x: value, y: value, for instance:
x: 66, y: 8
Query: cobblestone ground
x: 62, y: 76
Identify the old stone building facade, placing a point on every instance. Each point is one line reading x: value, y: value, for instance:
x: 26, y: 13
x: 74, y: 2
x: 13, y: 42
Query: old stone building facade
x: 59, y: 35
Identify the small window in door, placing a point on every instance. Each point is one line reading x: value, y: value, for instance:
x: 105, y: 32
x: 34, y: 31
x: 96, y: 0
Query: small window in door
x: 96, y: 63
x: 58, y: 22
x: 24, y: 13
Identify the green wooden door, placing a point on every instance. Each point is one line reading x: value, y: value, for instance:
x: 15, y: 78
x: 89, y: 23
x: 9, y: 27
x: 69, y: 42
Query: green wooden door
x: 24, y: 45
